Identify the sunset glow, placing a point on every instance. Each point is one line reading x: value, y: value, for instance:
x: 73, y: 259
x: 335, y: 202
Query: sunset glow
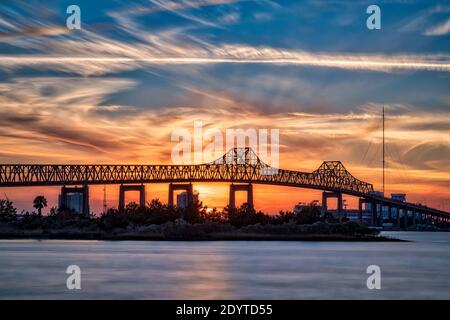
x: 113, y: 92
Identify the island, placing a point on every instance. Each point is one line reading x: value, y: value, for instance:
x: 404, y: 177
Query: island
x: 158, y: 221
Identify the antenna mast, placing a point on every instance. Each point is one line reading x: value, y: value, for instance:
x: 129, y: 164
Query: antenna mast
x: 383, y: 151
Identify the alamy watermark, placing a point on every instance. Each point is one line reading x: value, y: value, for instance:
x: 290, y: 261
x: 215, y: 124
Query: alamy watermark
x: 374, y: 20
x: 73, y: 281
x: 374, y: 280
x: 74, y: 20
x: 207, y: 145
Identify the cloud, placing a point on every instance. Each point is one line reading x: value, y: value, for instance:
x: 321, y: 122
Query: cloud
x: 439, y: 30
x: 429, y: 155
x: 56, y: 114
x: 184, y: 9
x: 33, y: 31
x: 100, y: 60
x: 89, y: 52
x: 41, y: 122
x: 424, y: 20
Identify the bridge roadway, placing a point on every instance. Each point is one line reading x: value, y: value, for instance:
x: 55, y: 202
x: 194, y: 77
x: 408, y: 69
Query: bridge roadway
x: 238, y: 166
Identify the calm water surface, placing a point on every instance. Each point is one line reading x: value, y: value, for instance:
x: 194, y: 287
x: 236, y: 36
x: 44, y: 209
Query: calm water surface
x: 32, y: 269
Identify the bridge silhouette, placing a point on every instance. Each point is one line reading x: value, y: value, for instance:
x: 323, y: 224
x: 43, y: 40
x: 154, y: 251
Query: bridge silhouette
x: 239, y: 166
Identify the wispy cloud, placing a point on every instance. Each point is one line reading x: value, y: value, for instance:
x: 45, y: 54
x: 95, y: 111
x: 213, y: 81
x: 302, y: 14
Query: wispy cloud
x: 440, y: 29
x: 90, y: 52
x: 232, y: 55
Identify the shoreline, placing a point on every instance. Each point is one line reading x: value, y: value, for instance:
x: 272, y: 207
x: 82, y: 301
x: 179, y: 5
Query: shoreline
x: 208, y: 237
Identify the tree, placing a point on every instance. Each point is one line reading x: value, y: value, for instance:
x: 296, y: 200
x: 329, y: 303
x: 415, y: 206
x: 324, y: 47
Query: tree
x: 283, y: 217
x: 39, y: 203
x: 7, y: 211
x: 244, y: 216
x: 309, y: 214
x: 194, y: 212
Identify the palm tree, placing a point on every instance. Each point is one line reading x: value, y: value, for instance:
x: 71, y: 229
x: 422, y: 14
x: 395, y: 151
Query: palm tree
x: 39, y: 202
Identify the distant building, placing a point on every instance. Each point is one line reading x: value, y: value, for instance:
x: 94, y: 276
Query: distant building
x: 399, y: 196
x: 74, y: 202
x: 376, y: 193
x: 182, y: 199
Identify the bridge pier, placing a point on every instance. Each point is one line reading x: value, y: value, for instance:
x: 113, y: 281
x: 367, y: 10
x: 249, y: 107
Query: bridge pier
x: 374, y: 209
x: 240, y: 187
x: 326, y: 195
x: 125, y: 188
x: 406, y: 218
x: 360, y: 213
x: 185, y: 187
x: 389, y: 213
x: 84, y: 191
x: 381, y: 214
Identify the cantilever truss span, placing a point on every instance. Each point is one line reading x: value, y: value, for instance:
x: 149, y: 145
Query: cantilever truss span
x: 237, y: 165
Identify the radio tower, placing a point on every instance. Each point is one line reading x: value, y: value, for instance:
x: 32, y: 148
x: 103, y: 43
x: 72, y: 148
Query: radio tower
x: 383, y: 151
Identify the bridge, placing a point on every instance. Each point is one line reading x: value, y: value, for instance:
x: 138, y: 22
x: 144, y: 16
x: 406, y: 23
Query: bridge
x: 239, y: 166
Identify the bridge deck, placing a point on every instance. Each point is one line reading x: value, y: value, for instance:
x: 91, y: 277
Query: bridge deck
x: 238, y: 166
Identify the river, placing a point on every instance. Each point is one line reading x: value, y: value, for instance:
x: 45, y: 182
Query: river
x: 420, y: 269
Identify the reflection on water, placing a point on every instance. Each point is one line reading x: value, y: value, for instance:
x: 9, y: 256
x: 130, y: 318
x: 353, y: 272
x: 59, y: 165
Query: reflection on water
x: 227, y: 270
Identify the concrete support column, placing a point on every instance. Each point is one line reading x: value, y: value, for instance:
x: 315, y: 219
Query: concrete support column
x: 186, y: 187
x: 86, y: 200
x: 406, y: 217
x: 339, y: 205
x: 389, y: 213
x: 338, y: 195
x: 121, y: 197
x: 373, y: 207
x: 124, y: 188
x: 380, y: 215
x: 232, y: 198
x: 240, y: 187
x: 84, y: 191
x: 360, y: 215
x: 324, y: 202
x: 398, y: 217
x: 63, y: 198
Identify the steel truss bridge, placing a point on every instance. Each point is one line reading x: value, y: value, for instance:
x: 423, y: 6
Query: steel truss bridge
x: 237, y: 166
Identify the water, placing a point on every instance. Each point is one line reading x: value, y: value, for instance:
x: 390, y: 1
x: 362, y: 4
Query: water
x: 227, y: 270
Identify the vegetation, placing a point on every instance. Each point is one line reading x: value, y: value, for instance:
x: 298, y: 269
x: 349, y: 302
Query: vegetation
x: 39, y: 203
x: 160, y: 221
x: 7, y: 211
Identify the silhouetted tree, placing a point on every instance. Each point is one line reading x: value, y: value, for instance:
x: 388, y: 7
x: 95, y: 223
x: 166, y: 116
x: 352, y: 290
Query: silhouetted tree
x: 283, y: 217
x: 194, y: 212
x: 245, y: 215
x: 308, y: 214
x: 39, y: 203
x: 212, y: 216
x: 8, y: 212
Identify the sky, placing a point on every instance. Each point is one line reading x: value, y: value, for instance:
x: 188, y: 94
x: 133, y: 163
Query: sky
x: 115, y: 91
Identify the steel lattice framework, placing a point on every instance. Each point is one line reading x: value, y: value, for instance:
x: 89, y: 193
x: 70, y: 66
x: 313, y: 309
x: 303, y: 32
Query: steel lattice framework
x: 237, y: 165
